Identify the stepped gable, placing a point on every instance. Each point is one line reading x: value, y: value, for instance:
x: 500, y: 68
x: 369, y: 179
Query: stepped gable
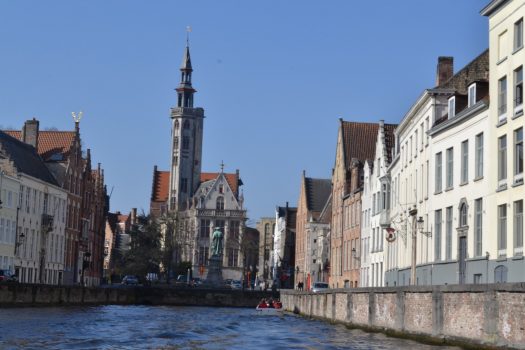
x: 161, y: 180
x: 52, y: 145
x: 389, y: 140
x: 25, y: 158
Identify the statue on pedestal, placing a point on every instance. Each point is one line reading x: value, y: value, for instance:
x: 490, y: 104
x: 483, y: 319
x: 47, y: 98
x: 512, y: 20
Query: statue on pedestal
x: 216, y: 242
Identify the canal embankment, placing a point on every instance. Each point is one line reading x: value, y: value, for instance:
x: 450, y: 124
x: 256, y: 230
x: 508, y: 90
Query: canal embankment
x: 471, y: 316
x: 16, y: 295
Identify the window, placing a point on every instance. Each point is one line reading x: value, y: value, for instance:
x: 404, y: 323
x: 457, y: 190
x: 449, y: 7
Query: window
x: 450, y: 168
x: 463, y: 219
x: 416, y: 141
x: 502, y: 229
x: 186, y: 124
x: 438, y: 172
x: 518, y: 90
x: 518, y: 34
x: 478, y: 226
x: 479, y: 156
x: 233, y: 256
x: 185, y: 142
x: 422, y: 134
x: 518, y: 153
x: 234, y: 229
x: 502, y: 46
x: 471, y: 95
x: 205, y: 229
x: 203, y: 255
x: 437, y: 241
x: 220, y: 203
x: 449, y: 233
x: 451, y: 107
x: 183, y: 185
x: 464, y: 162
x: 477, y: 278
x: 518, y: 227
x: 502, y: 159
x: 502, y: 99
x: 426, y: 128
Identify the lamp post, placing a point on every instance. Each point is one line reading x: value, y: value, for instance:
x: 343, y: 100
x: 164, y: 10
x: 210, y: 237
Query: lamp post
x: 413, y: 214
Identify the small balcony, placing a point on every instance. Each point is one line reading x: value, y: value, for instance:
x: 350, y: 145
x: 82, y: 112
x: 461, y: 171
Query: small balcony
x: 384, y: 218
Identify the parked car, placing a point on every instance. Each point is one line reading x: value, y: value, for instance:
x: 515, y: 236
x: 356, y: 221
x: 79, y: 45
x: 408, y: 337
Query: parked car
x: 197, y: 281
x: 6, y: 276
x: 130, y: 279
x: 319, y: 286
x: 236, y: 284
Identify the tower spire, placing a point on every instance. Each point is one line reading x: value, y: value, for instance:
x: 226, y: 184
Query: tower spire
x: 185, y: 91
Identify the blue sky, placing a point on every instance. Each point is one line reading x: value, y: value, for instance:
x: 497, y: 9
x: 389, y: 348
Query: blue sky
x: 273, y: 77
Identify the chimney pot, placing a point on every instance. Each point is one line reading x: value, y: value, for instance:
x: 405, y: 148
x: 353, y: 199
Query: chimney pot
x: 30, y: 132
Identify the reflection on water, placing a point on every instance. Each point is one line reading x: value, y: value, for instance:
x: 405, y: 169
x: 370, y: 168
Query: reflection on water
x: 150, y: 327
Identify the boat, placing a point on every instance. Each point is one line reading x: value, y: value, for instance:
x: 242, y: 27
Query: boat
x: 269, y: 310
x: 263, y: 307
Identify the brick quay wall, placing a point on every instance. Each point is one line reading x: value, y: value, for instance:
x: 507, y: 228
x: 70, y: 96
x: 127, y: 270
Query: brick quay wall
x: 472, y: 316
x: 13, y: 295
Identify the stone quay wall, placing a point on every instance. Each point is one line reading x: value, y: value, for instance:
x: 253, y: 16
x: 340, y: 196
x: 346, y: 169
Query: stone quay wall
x: 12, y: 295
x: 473, y: 316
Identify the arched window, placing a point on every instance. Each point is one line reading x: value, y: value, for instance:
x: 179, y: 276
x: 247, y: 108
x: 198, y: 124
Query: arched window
x: 186, y: 124
x: 500, y: 274
x: 463, y: 215
x: 267, y: 228
x: 220, y: 203
x: 176, y: 126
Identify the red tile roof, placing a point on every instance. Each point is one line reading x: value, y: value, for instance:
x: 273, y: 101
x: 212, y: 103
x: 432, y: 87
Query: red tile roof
x: 161, y: 181
x: 50, y: 142
x: 359, y: 141
x: 231, y: 178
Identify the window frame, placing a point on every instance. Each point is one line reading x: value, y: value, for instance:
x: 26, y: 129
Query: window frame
x: 479, y: 144
x: 502, y: 99
x: 472, y: 92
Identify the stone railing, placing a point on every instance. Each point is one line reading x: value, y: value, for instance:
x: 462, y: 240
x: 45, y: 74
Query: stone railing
x: 220, y: 213
x: 477, y: 316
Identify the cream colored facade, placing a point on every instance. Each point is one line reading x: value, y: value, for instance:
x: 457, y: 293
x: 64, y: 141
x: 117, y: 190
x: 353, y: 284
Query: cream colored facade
x: 506, y: 121
x: 409, y: 177
x: 9, y: 187
x: 41, y: 231
x: 461, y: 233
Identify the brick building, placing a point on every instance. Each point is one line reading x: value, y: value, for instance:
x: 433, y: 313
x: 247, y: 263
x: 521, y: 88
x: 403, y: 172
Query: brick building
x: 355, y: 143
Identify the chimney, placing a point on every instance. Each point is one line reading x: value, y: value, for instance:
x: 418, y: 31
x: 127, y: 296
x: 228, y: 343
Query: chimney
x: 445, y: 69
x: 30, y: 133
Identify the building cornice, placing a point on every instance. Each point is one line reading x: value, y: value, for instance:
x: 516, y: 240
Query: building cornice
x: 492, y: 7
x: 461, y: 117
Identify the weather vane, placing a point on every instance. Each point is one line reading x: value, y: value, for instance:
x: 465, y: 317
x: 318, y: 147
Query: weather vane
x: 76, y: 117
x: 188, y: 30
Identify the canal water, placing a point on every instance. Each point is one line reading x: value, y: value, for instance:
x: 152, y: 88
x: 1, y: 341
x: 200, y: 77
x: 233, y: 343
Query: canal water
x: 159, y: 327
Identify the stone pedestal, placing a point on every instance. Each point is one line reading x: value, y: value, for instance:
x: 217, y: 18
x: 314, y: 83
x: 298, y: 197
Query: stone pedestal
x: 214, y: 278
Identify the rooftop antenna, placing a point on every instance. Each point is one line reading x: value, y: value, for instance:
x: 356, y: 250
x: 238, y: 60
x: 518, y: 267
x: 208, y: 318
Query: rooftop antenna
x: 188, y: 30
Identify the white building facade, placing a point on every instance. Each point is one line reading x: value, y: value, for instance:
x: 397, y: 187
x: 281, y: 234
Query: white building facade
x: 504, y: 210
x: 9, y: 187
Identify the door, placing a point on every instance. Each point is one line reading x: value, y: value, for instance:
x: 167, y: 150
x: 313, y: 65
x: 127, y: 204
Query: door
x: 462, y: 259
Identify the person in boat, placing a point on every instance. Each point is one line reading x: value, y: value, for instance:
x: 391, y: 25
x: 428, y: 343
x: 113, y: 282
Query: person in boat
x: 277, y: 304
x: 270, y: 304
x: 262, y: 304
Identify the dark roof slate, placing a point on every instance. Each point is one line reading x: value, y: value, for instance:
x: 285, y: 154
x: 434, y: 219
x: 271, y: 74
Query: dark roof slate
x: 476, y: 70
x: 25, y: 158
x: 317, y: 193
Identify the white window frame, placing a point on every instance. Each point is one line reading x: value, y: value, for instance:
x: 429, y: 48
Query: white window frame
x: 479, y: 155
x: 502, y: 99
x: 518, y: 91
x: 518, y: 155
x: 518, y: 34
x: 472, y: 95
x: 464, y: 162
x: 451, y: 107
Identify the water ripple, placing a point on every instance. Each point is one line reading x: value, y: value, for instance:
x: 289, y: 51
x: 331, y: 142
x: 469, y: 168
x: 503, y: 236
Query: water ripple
x: 169, y: 328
